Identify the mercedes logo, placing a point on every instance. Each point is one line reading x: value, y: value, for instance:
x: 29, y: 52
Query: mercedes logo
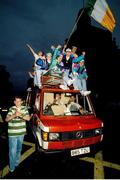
x: 79, y: 134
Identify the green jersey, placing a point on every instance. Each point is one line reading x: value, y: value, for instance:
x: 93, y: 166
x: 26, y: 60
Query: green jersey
x: 17, y: 126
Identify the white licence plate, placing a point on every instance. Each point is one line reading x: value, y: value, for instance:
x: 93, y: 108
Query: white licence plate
x: 79, y: 151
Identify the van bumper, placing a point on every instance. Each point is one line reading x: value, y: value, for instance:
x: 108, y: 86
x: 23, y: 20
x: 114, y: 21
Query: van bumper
x: 67, y: 152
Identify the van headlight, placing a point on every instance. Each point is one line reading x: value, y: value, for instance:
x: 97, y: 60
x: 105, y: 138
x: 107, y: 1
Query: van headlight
x: 98, y: 131
x: 46, y: 136
x: 54, y: 136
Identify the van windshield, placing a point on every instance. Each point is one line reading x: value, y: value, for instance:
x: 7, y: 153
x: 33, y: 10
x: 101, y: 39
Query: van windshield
x: 66, y: 104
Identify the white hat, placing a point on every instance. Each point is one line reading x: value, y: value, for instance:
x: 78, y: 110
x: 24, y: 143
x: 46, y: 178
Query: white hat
x: 74, y: 47
x: 68, y: 50
x: 49, y: 54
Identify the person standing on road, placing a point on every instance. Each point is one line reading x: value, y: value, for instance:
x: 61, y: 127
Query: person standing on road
x: 16, y: 118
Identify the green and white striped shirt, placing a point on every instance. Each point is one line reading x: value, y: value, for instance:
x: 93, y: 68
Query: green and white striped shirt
x: 17, y: 126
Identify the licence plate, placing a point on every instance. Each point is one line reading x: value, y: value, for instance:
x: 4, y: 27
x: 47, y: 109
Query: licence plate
x: 79, y: 151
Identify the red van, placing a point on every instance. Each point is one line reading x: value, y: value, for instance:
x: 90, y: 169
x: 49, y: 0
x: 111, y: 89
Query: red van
x: 64, y: 120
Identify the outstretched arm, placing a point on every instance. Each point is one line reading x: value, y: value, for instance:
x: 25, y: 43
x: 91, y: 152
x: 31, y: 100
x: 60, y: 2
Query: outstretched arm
x: 31, y: 49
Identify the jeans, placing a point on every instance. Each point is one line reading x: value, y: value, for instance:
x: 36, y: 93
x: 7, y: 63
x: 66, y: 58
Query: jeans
x: 15, y: 148
x: 65, y: 77
x: 79, y: 84
x: 82, y: 84
x: 37, y: 77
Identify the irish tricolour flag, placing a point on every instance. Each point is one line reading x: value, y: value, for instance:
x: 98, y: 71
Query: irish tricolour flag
x: 101, y: 12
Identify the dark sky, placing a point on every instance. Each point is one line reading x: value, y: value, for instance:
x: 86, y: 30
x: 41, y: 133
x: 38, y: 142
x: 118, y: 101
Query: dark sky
x: 39, y: 23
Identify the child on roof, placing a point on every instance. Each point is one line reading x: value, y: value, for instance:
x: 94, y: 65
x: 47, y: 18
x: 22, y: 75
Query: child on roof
x: 79, y: 74
x: 40, y: 66
x: 67, y: 61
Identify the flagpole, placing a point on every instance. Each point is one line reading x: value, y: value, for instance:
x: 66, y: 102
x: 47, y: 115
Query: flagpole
x: 75, y: 24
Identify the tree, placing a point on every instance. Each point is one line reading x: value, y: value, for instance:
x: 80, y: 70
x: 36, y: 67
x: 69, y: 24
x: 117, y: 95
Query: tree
x: 6, y: 87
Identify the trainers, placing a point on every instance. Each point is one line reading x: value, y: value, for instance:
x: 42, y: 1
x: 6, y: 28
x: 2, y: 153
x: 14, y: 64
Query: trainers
x: 70, y: 81
x: 40, y: 86
x: 85, y: 93
x: 63, y: 87
x: 29, y: 89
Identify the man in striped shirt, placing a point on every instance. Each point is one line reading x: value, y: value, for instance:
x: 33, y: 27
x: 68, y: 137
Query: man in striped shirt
x: 16, y: 118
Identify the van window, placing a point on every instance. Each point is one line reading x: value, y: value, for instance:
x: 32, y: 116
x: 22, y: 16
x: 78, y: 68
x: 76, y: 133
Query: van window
x: 65, y: 104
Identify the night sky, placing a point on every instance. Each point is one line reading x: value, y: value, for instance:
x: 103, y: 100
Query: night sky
x: 40, y: 23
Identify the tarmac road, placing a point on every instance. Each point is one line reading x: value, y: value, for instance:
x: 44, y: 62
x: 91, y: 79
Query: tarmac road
x: 103, y: 165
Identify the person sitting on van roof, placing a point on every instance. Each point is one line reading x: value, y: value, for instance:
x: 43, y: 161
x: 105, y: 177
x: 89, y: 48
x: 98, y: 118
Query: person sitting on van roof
x: 48, y: 59
x: 40, y: 66
x: 55, y: 54
x: 67, y: 61
x: 80, y: 75
x: 73, y: 51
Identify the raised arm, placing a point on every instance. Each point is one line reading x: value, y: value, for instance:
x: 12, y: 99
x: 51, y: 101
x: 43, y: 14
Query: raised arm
x: 31, y: 49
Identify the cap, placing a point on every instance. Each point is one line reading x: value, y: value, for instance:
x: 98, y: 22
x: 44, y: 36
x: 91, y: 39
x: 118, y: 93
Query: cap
x: 68, y: 50
x: 49, y: 54
x: 74, y: 47
x: 81, y: 60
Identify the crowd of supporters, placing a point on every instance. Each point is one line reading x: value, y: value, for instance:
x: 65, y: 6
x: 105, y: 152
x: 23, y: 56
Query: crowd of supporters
x: 62, y: 61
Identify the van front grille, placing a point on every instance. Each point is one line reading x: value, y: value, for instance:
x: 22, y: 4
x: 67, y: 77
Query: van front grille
x: 64, y: 136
